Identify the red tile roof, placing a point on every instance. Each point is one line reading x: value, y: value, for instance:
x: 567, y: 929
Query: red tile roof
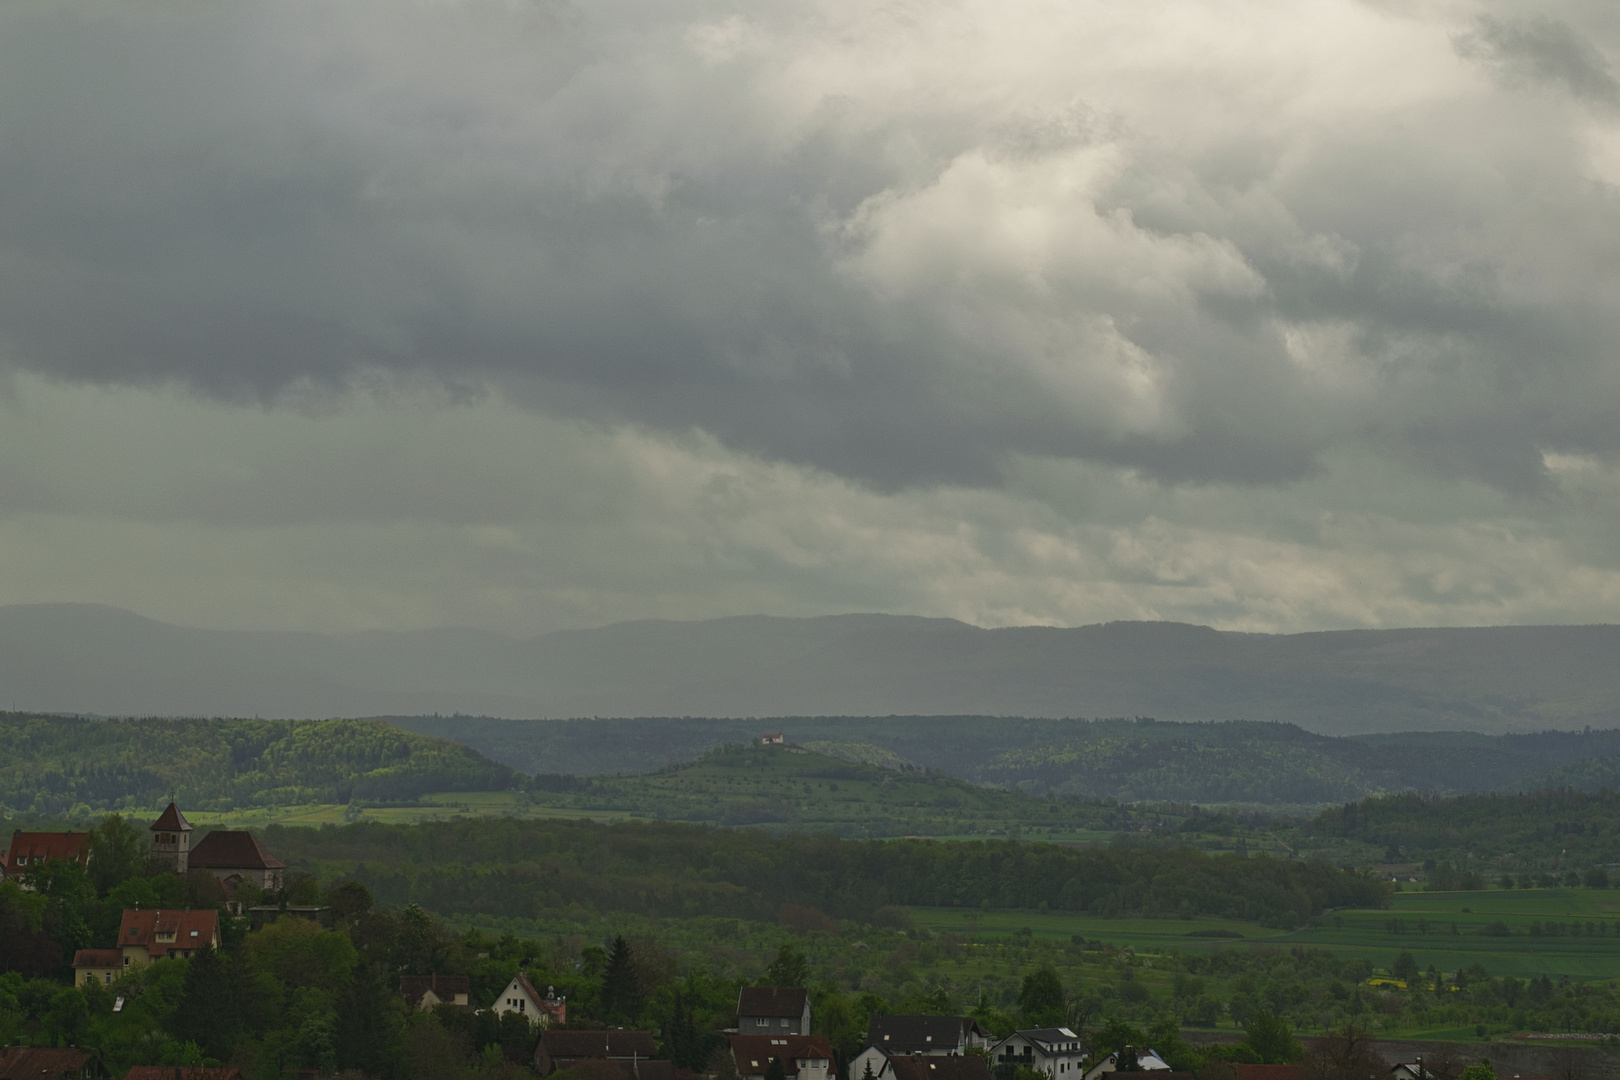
x: 191, y: 930
x: 98, y: 958
x: 753, y: 1052
x: 611, y: 1043
x: 40, y: 1062
x: 172, y: 820
x: 194, y: 1072
x: 36, y: 847
x: 1269, y: 1072
x: 227, y: 850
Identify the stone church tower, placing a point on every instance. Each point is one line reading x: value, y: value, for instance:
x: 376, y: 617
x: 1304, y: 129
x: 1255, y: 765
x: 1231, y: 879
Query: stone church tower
x: 171, y: 840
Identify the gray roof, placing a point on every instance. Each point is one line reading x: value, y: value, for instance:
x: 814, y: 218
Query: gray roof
x: 772, y: 1001
x: 916, y: 1034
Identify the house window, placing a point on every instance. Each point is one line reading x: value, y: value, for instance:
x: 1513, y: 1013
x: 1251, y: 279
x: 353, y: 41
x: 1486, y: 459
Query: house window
x: 22, y: 860
x: 784, y: 1021
x: 108, y: 976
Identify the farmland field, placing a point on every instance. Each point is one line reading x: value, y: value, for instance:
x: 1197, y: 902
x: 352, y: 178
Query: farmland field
x: 1418, y: 923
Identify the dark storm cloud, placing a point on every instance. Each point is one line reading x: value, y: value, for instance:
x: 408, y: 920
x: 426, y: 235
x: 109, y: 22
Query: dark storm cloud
x: 1542, y: 50
x: 633, y: 213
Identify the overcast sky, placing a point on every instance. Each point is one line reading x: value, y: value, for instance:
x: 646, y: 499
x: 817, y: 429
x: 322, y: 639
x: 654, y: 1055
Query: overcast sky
x: 1267, y: 314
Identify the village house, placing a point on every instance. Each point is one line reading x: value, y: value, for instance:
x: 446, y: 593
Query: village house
x: 48, y: 1063
x: 565, y: 1049
x: 97, y: 966
x: 30, y: 849
x: 156, y: 934
x: 773, y: 1010
x: 932, y: 1036
x: 1057, y: 1052
x: 425, y: 991
x: 1146, y: 1061
x: 520, y: 996
x: 804, y: 1057
x: 183, y: 1072
x: 934, y: 1067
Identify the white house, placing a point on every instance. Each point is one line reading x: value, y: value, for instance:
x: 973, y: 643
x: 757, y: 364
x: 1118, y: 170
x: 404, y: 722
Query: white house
x: 1057, y: 1052
x: 521, y: 997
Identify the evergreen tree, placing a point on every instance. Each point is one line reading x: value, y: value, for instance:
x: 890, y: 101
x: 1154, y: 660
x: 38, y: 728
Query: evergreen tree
x: 774, y: 1069
x: 370, y: 1025
x: 621, y: 993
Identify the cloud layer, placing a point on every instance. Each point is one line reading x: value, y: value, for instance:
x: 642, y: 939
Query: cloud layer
x: 1271, y: 315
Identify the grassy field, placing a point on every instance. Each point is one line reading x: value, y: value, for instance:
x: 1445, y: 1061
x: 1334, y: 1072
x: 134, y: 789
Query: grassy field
x: 1424, y: 930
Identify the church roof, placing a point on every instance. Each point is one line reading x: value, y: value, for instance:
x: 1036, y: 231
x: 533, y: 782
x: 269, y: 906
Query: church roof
x: 224, y: 849
x: 171, y: 821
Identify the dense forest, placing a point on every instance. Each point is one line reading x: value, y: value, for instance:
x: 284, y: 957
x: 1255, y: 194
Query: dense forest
x: 1536, y: 831
x: 71, y: 767
x: 523, y: 868
x: 1128, y: 760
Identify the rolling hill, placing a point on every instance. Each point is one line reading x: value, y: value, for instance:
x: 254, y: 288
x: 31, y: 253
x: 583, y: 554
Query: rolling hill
x: 90, y: 659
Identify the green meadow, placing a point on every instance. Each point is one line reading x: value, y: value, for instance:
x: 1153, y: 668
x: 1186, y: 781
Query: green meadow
x: 1450, y: 931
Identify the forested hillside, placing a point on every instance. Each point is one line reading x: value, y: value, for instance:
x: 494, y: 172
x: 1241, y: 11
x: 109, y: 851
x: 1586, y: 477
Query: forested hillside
x: 70, y: 767
x: 1543, y: 831
x: 1129, y: 760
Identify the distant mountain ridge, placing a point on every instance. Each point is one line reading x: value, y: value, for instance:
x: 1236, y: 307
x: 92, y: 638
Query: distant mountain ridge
x: 92, y: 659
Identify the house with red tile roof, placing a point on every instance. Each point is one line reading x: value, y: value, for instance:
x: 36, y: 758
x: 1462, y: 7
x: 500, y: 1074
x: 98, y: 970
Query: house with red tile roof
x: 48, y: 1063
x: 30, y: 849
x: 171, y: 839
x: 804, y: 1057
x: 565, y: 1049
x: 157, y: 934
x: 97, y: 966
x: 182, y: 1072
x: 235, y: 857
